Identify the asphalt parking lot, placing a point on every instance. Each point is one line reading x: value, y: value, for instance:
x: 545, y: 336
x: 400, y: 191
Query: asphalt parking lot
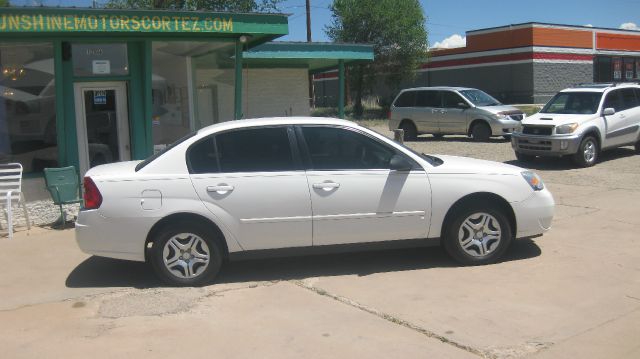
x: 573, y: 293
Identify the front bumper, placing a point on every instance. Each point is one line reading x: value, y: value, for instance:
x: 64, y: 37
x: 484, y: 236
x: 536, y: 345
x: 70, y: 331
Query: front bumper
x: 535, y: 214
x: 545, y: 145
x: 504, y: 127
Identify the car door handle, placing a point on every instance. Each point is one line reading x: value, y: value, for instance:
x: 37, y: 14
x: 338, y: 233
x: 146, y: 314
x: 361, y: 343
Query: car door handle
x: 327, y: 186
x: 220, y: 189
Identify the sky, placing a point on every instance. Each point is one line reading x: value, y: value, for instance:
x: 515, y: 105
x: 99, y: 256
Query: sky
x: 447, y: 21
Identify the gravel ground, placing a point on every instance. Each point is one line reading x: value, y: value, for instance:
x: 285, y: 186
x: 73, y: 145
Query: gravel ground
x: 618, y: 168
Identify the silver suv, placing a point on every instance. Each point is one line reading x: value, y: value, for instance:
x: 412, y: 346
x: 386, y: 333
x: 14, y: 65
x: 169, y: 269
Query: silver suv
x: 452, y: 111
x: 581, y: 122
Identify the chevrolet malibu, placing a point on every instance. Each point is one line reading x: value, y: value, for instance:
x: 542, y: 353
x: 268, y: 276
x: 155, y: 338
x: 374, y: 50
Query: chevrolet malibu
x: 251, y: 187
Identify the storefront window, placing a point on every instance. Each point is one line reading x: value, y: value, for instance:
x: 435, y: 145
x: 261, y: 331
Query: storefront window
x: 192, y: 86
x: 27, y: 105
x: 617, y: 69
x: 100, y: 59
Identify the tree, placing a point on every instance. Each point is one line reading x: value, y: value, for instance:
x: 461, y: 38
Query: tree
x: 214, y: 5
x: 396, y: 30
x: 4, y: 3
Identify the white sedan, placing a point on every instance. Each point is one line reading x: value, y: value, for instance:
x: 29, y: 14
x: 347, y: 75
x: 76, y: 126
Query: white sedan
x: 242, y: 188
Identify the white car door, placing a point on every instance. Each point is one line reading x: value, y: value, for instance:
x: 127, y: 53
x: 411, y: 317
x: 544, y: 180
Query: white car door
x: 355, y: 197
x: 622, y: 126
x: 251, y: 180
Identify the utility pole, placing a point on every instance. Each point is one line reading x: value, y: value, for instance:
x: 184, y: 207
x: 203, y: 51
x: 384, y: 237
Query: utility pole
x: 311, y: 92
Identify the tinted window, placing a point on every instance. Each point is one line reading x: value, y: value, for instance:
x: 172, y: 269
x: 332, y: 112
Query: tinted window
x: 255, y: 150
x: 614, y: 100
x: 451, y: 99
x: 202, y: 157
x: 407, y: 99
x: 428, y: 99
x: 340, y: 149
x: 573, y: 103
x: 629, y: 98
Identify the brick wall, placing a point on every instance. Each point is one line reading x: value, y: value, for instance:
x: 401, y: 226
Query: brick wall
x: 549, y: 78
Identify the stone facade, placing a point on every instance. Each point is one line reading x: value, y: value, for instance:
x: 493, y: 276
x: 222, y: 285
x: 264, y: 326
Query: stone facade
x: 550, y: 78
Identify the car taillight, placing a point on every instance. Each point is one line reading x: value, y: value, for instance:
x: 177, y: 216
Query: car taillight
x: 92, y: 196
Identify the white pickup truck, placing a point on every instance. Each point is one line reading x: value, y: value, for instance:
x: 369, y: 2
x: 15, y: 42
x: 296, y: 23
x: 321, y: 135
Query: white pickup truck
x: 581, y: 122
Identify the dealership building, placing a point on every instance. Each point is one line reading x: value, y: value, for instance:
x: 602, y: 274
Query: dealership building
x: 83, y: 87
x: 522, y: 63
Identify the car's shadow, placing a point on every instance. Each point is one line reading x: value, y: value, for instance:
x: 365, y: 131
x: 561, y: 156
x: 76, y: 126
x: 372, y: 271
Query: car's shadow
x: 565, y: 163
x: 104, y: 272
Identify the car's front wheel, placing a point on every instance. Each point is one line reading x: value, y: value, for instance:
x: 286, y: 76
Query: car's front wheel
x: 588, y: 152
x: 638, y: 147
x: 481, y: 132
x: 186, y: 254
x: 477, y: 234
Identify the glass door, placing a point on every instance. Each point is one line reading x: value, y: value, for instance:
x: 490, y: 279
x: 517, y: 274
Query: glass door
x: 102, y: 123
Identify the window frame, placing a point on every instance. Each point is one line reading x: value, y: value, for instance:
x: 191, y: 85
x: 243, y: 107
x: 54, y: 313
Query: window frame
x: 293, y: 148
x: 306, y: 156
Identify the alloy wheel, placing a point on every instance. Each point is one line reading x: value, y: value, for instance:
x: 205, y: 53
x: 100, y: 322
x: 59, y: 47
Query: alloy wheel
x: 479, y: 234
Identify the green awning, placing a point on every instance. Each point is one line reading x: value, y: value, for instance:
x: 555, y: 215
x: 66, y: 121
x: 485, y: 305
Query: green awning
x: 315, y: 56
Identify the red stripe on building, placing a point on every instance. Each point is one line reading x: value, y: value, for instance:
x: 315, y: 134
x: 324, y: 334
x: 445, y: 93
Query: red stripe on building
x: 508, y: 57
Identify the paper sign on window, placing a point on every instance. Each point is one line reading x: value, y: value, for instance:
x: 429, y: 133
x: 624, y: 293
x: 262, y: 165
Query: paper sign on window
x: 100, y: 97
x: 101, y: 67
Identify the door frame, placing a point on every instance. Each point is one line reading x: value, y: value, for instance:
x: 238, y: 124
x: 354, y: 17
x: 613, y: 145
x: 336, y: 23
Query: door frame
x: 122, y: 118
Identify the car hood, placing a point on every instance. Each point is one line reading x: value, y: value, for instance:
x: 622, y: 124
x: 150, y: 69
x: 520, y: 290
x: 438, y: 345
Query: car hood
x: 115, y: 169
x: 555, y: 119
x: 466, y: 165
x: 506, y: 109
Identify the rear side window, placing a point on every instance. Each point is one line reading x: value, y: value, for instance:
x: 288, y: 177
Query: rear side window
x: 333, y: 148
x: 246, y: 150
x: 428, y: 99
x: 406, y: 99
x: 629, y: 99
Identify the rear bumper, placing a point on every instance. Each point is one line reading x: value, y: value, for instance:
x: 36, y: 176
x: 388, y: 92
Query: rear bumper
x: 545, y: 145
x: 535, y: 214
x: 119, y: 238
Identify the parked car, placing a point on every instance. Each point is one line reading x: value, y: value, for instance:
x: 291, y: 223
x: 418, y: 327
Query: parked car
x: 242, y: 188
x: 581, y: 122
x: 452, y: 111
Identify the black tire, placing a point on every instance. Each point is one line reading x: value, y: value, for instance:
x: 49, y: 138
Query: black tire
x: 480, y: 132
x: 197, y: 230
x: 453, y: 230
x: 524, y: 157
x: 410, y: 132
x: 638, y: 147
x: 588, y: 152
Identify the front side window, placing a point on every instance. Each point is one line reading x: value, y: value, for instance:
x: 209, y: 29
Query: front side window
x: 614, y: 100
x: 333, y: 148
x: 574, y: 103
x: 451, y: 99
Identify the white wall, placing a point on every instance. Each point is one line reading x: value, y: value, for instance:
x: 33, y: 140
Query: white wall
x: 275, y: 92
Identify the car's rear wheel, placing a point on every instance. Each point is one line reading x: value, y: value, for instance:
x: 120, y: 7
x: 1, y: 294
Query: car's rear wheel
x: 410, y: 131
x: 481, y: 132
x: 186, y: 254
x: 588, y: 152
x: 477, y: 234
x: 524, y: 157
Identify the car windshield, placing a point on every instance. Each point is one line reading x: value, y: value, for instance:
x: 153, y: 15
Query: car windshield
x: 574, y: 103
x: 479, y: 98
x: 150, y: 159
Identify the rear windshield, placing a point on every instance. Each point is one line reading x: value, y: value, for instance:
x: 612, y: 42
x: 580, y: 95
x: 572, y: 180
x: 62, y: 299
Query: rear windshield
x: 574, y: 103
x: 152, y: 158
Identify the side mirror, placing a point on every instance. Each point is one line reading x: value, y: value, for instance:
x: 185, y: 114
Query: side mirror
x: 399, y: 163
x: 462, y: 105
x: 608, y: 111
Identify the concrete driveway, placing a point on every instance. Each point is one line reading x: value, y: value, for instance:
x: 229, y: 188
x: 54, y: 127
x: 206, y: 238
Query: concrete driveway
x: 574, y: 293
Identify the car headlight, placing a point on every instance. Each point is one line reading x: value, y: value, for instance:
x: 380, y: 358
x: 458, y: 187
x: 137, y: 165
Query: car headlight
x: 533, y: 180
x: 499, y: 116
x: 566, y: 129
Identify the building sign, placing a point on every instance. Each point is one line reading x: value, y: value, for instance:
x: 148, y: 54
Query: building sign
x: 97, y: 21
x: 101, y: 67
x: 100, y: 97
x: 617, y: 68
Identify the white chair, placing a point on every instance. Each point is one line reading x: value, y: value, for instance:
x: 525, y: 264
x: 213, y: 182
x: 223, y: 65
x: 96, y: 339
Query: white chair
x: 11, y: 192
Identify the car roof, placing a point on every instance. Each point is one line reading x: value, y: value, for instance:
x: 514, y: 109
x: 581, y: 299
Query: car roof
x: 439, y: 88
x: 599, y: 87
x: 275, y: 121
